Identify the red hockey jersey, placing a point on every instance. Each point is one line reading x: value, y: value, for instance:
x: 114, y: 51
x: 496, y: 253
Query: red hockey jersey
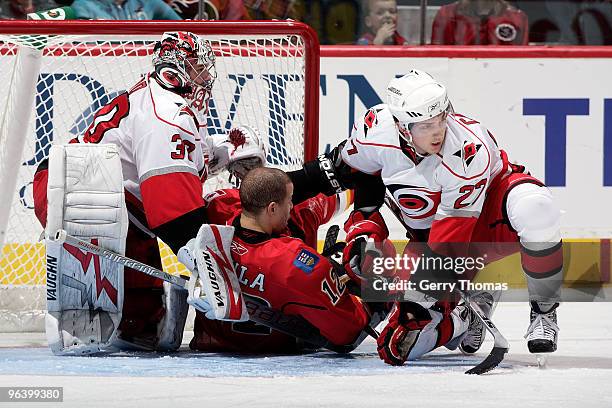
x: 288, y: 275
x: 456, y: 24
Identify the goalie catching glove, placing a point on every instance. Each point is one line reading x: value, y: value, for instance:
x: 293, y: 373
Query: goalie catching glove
x: 240, y: 151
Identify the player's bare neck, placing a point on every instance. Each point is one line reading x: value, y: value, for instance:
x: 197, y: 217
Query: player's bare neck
x: 250, y: 222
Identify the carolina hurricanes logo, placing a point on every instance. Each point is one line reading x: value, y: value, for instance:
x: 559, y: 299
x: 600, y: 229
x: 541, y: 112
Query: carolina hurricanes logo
x: 467, y: 152
x: 416, y: 202
x: 369, y: 120
x: 170, y: 77
x: 412, y: 202
x: 505, y: 32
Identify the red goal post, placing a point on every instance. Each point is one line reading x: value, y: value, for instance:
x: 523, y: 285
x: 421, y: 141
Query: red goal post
x: 55, y: 74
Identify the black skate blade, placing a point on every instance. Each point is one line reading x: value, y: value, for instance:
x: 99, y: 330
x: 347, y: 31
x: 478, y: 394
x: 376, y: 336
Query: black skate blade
x: 542, y: 360
x: 493, y: 359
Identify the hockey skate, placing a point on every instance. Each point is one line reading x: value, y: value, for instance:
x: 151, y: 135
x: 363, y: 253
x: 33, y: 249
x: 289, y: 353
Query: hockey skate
x: 543, y: 331
x: 476, y: 332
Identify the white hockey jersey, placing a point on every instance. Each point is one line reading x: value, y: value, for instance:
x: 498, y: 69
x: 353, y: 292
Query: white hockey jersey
x: 162, y: 148
x: 444, y: 192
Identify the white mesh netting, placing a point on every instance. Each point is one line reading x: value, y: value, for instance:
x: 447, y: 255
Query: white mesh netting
x: 260, y: 83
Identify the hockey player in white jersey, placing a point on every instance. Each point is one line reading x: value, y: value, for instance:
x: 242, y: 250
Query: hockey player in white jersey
x: 453, y: 184
x: 166, y: 155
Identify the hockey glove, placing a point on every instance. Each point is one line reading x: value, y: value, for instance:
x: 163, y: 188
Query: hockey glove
x: 364, y: 242
x: 241, y: 151
x: 196, y: 297
x: 406, y: 321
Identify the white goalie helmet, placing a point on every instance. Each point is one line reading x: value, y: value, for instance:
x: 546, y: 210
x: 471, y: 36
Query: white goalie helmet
x: 185, y: 63
x: 416, y: 97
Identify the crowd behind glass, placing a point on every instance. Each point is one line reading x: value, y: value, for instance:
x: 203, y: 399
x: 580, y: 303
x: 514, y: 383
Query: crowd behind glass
x: 373, y: 22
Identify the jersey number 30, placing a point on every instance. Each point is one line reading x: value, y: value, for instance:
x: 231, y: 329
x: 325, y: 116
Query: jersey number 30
x: 182, y: 147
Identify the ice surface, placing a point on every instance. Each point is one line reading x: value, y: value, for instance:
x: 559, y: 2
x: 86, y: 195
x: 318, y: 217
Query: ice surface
x: 579, y: 374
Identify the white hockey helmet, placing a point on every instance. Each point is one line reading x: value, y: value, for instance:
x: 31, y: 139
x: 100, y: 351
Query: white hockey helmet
x: 416, y: 97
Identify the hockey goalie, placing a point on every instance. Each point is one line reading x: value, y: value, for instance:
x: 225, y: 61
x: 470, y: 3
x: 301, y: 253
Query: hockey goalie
x: 134, y: 176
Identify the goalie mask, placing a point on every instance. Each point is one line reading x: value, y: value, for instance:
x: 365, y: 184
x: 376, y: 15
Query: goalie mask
x: 416, y: 97
x: 185, y: 63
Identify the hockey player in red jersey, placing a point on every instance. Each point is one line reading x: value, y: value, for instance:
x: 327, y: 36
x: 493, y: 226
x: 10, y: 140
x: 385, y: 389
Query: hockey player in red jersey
x: 453, y: 184
x: 480, y: 22
x: 276, y: 266
x: 159, y: 127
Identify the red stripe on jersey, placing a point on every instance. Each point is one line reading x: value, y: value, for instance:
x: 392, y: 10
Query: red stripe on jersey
x: 139, y: 85
x: 165, y: 121
x: 446, y: 328
x: 484, y: 145
x: 168, y: 196
x: 379, y: 145
x: 503, y: 172
x: 452, y: 229
x: 541, y: 264
x: 40, y: 196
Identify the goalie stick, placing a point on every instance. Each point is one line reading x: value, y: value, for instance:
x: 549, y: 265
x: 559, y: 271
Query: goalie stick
x: 61, y: 237
x: 500, y: 344
x: 259, y: 312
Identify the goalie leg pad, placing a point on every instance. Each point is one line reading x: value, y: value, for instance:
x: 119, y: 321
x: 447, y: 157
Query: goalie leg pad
x: 170, y: 330
x: 84, y: 292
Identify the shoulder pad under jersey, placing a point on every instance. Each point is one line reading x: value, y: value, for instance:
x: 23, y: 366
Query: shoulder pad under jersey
x: 467, y: 152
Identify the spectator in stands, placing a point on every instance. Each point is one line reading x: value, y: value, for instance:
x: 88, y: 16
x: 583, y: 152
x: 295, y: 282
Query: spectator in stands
x: 380, y: 23
x: 592, y: 23
x: 18, y: 9
x: 480, y: 22
x: 276, y: 9
x: 213, y: 9
x: 124, y: 10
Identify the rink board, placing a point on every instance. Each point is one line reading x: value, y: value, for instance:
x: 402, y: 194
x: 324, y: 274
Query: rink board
x: 551, y: 111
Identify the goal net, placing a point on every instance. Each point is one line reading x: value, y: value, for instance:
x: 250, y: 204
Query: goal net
x: 55, y: 75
